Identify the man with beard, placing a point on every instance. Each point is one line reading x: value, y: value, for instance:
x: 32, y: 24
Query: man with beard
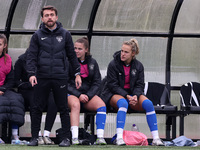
x: 50, y: 49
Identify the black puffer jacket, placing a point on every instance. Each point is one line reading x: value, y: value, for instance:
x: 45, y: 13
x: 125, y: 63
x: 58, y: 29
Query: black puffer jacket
x: 90, y: 85
x: 48, y: 53
x: 12, y: 108
x: 116, y: 79
x: 11, y: 103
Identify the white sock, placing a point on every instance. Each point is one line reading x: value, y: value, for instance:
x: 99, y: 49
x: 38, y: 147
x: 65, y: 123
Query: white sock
x: 120, y: 133
x: 40, y: 133
x: 46, y: 133
x: 74, y: 130
x: 14, y: 132
x: 155, y: 134
x: 100, y: 133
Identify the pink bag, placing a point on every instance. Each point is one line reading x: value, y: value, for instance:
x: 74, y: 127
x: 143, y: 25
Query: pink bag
x: 135, y: 138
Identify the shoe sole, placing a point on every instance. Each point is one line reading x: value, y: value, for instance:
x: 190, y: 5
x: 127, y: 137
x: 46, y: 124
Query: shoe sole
x: 101, y: 143
x: 31, y: 145
x: 158, y: 145
x: 121, y: 144
x: 64, y: 145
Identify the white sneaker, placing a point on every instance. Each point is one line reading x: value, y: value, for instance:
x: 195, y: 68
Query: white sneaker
x: 15, y: 140
x: 40, y: 140
x: 157, y: 142
x: 119, y: 142
x: 47, y: 140
x: 101, y: 141
x: 15, y: 137
x: 75, y: 141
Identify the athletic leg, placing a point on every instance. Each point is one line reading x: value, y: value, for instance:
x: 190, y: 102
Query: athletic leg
x: 121, y: 103
x: 74, y: 106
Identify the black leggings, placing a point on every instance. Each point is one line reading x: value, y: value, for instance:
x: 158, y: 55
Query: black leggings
x: 50, y: 108
x: 41, y: 93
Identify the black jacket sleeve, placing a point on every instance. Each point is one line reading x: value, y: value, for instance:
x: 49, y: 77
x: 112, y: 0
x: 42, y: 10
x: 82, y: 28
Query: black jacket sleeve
x: 18, y: 73
x: 96, y: 81
x: 114, y: 76
x: 138, y: 87
x: 18, y: 70
x: 31, y: 62
x: 71, y: 84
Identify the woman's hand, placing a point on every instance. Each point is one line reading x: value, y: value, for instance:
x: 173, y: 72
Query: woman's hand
x: 83, y: 98
x: 132, y: 100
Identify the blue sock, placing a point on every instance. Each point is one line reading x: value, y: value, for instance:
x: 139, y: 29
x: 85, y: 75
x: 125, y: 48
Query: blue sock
x: 15, y: 131
x: 101, y: 117
x: 147, y: 105
x: 121, y: 114
x: 14, y: 126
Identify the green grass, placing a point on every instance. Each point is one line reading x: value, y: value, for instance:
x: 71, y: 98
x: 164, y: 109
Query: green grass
x: 94, y: 147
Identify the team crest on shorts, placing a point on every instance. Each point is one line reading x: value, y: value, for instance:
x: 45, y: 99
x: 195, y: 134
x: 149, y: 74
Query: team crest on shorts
x: 59, y: 38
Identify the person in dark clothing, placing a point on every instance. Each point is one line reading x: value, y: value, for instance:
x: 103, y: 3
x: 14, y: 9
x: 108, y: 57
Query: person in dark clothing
x: 11, y: 103
x: 125, y: 88
x: 86, y: 96
x: 50, y: 49
x: 24, y: 87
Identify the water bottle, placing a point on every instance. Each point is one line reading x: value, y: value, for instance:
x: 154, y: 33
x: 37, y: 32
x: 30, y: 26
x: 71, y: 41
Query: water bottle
x: 135, y: 128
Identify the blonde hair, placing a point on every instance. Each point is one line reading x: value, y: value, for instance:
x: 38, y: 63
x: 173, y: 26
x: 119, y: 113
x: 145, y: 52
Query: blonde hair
x: 133, y: 43
x: 3, y: 37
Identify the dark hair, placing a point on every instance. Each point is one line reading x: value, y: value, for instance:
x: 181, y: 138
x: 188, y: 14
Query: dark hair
x: 2, y: 36
x: 49, y: 7
x: 85, y: 42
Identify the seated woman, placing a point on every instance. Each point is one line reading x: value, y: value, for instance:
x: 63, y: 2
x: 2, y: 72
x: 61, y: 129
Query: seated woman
x: 24, y: 87
x: 124, y: 88
x: 11, y: 103
x: 86, y: 96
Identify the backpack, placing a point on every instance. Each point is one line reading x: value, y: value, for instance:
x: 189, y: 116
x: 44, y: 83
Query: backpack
x: 190, y: 94
x: 84, y: 137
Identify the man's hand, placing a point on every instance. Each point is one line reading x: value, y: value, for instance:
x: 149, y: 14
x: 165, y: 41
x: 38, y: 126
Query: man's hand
x: 78, y: 81
x: 1, y: 92
x: 33, y: 80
